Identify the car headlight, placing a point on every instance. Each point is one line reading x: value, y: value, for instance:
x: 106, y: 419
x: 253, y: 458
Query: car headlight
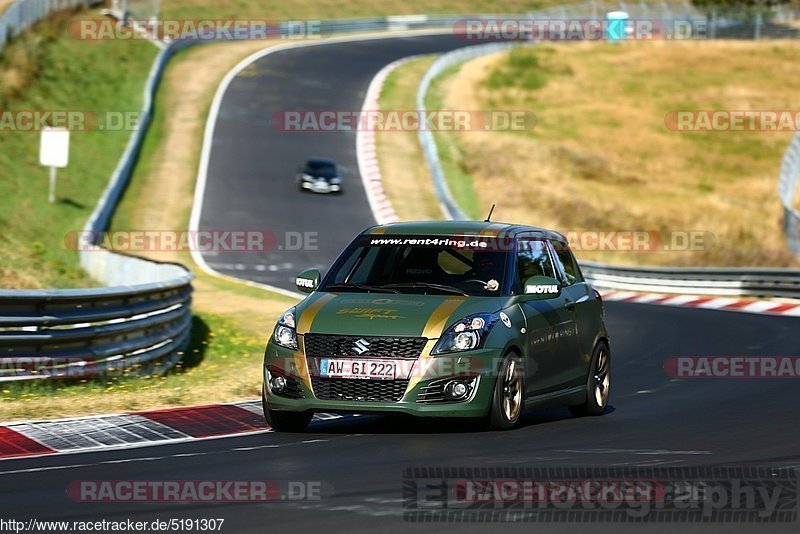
x: 467, y: 334
x: 285, y: 333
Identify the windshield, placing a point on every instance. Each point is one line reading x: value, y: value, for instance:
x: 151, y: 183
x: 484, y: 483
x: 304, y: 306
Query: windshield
x: 320, y: 168
x: 420, y: 264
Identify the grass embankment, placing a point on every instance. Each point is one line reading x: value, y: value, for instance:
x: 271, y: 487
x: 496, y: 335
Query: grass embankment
x: 46, y: 70
x: 232, y: 321
x: 601, y: 158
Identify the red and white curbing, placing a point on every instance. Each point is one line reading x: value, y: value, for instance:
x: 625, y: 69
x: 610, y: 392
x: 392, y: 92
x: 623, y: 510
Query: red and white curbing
x: 139, y: 429
x: 768, y: 307
x: 367, y: 155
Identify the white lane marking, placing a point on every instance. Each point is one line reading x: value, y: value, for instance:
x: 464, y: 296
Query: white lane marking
x: 48, y: 432
x: 208, y: 137
x: 143, y: 459
x: 155, y: 458
x: 258, y: 447
x: 134, y: 445
x: 651, y: 463
x: 632, y: 451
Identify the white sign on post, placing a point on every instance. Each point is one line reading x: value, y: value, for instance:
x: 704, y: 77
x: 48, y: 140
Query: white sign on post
x: 53, y: 153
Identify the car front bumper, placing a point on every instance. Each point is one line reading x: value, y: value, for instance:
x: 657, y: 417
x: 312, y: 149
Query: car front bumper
x: 320, y: 186
x: 477, y: 366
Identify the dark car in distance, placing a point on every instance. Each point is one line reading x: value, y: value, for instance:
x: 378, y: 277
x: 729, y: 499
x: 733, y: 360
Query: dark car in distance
x: 319, y: 175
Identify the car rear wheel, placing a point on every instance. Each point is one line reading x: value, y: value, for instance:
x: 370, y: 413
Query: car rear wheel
x: 598, y: 384
x: 509, y: 394
x: 285, y: 421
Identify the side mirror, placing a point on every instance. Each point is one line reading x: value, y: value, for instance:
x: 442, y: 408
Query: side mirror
x: 542, y: 287
x: 308, y: 280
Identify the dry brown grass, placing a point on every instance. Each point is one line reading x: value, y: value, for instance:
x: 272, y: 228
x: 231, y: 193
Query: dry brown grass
x: 337, y: 9
x: 406, y: 178
x: 601, y: 158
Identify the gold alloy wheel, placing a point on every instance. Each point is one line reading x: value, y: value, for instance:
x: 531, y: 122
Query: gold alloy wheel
x: 602, y: 380
x: 512, y: 391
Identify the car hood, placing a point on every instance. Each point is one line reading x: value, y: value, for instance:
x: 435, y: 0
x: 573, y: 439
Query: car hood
x: 379, y: 314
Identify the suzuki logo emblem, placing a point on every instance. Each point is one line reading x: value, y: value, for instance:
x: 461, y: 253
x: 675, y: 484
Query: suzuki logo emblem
x: 361, y: 346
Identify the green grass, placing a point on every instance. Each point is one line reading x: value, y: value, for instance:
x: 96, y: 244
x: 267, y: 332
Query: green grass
x: 48, y: 70
x: 525, y: 68
x: 451, y: 155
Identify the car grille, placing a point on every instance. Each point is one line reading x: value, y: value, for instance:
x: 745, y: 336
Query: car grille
x: 332, y: 346
x: 347, y: 389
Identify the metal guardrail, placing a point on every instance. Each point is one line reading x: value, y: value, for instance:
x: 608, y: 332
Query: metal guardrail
x: 446, y: 201
x: 750, y: 281
x: 788, y: 185
x: 23, y: 14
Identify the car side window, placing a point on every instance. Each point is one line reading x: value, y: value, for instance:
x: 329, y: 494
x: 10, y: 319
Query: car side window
x: 567, y: 263
x: 533, y: 259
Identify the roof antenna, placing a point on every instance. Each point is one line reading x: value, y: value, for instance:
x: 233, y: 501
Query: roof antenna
x: 489, y: 217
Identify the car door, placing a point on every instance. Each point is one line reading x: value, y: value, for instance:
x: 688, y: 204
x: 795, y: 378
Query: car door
x: 580, y: 303
x: 550, y: 325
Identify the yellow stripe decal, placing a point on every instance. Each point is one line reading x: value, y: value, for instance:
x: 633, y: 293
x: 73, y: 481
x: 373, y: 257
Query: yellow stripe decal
x: 301, y: 365
x: 304, y: 323
x: 310, y: 313
x: 433, y: 328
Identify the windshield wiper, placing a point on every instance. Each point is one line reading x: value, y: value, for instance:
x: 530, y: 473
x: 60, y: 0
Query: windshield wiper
x: 426, y: 285
x: 362, y: 287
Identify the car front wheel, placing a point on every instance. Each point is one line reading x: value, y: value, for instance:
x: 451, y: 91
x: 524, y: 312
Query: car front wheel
x: 509, y: 394
x: 285, y: 421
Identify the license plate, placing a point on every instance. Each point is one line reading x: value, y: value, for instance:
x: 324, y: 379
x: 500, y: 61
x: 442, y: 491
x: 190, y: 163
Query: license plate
x: 359, y: 369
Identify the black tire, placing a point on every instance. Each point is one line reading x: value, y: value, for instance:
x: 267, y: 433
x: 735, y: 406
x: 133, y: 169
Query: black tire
x: 508, y: 399
x: 285, y: 421
x: 598, y: 383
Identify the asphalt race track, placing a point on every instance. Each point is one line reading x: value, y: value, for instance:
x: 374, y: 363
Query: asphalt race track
x: 251, y: 174
x: 653, y: 420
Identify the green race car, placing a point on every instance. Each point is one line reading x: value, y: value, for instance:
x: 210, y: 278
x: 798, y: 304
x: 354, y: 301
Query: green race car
x: 441, y: 319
